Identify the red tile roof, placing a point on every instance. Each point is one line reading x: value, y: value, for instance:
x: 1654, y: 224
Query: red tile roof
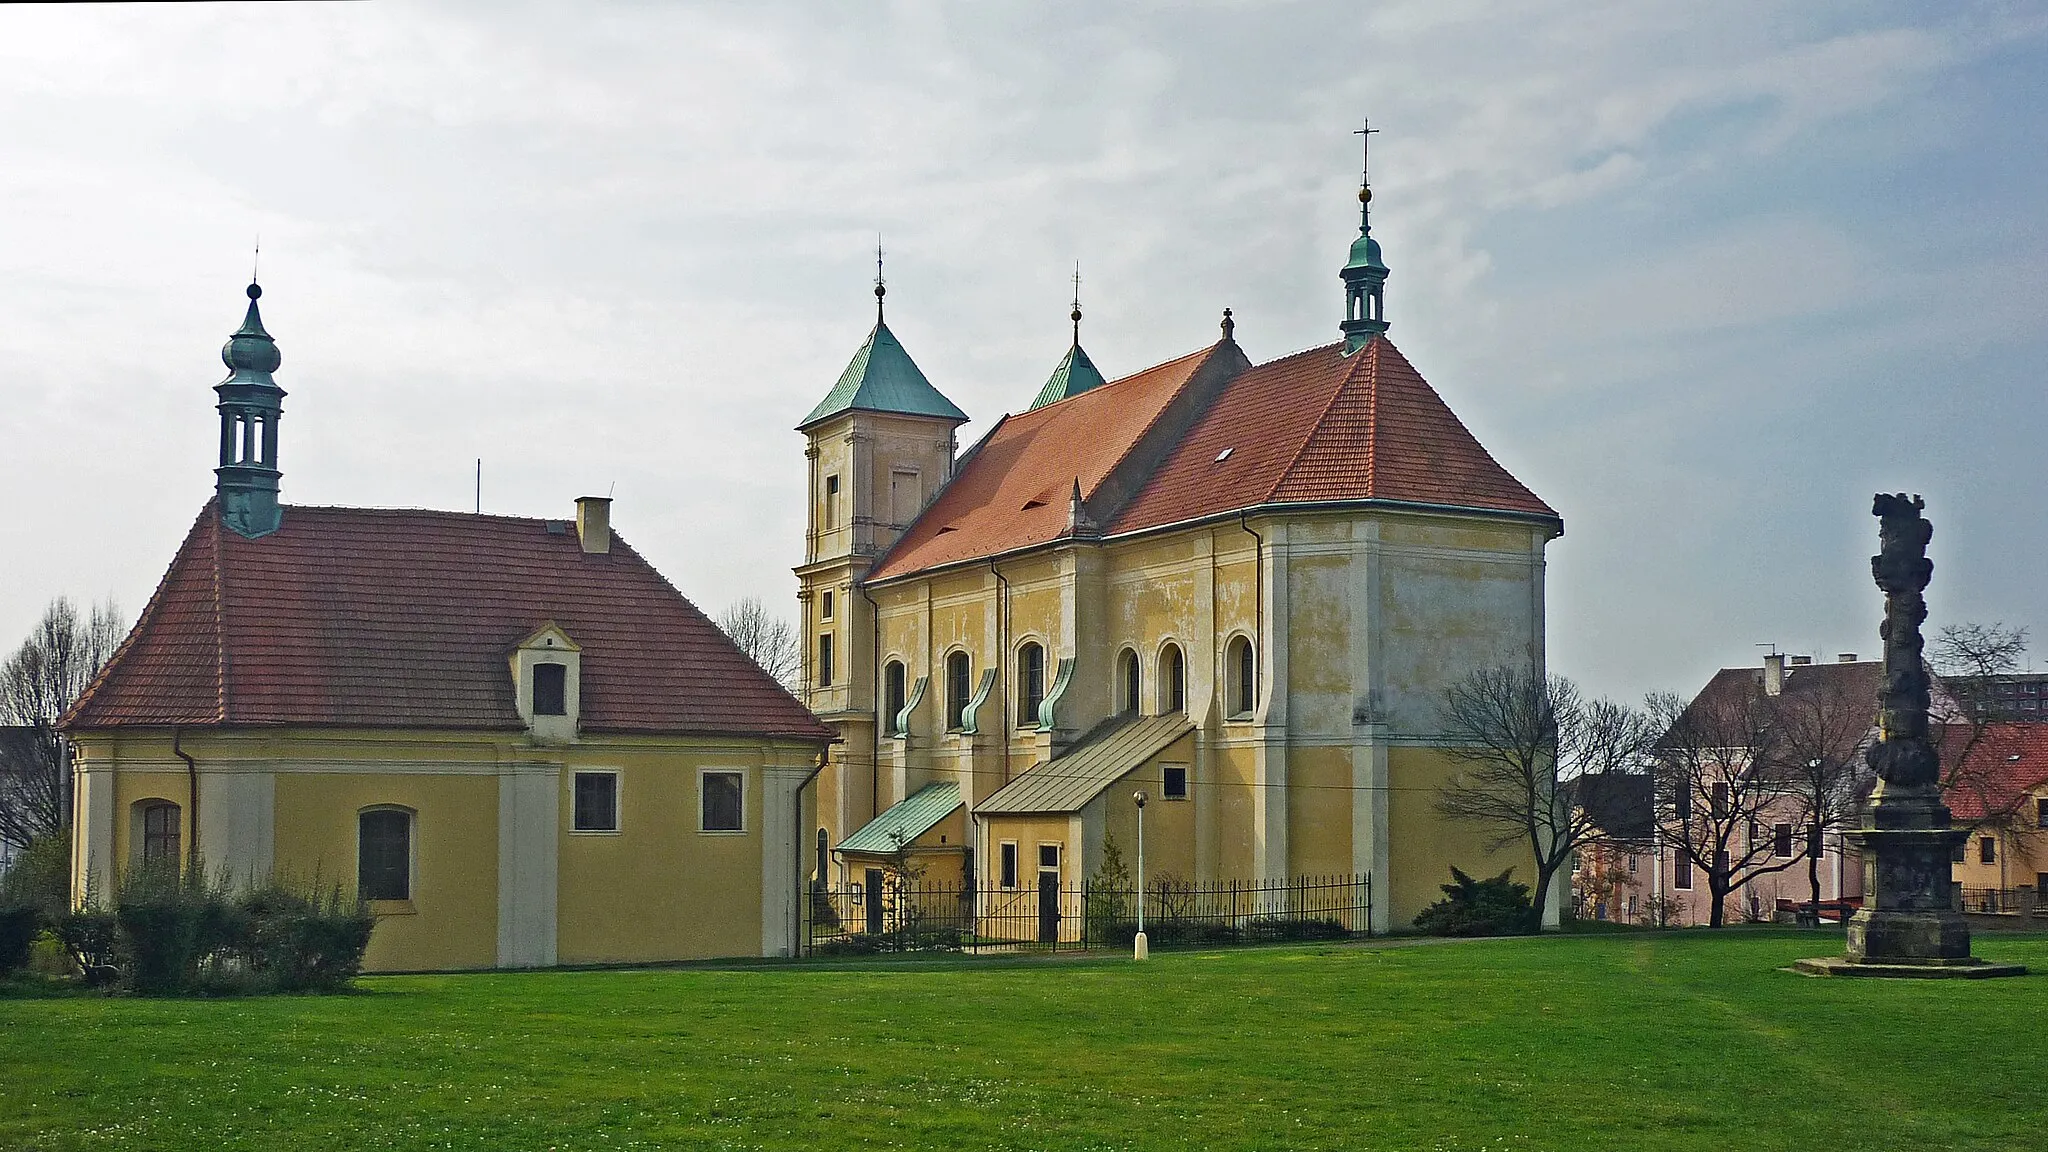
x: 1314, y: 426
x: 1015, y: 489
x: 388, y: 618
x: 2009, y: 761
x: 1319, y: 425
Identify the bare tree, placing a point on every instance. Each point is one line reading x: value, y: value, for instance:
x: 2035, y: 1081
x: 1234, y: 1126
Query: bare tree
x: 770, y: 640
x: 49, y: 672
x: 1719, y: 783
x: 1970, y: 662
x: 1525, y: 743
x: 1822, y: 725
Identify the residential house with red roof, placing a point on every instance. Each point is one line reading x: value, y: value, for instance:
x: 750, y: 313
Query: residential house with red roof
x: 1239, y: 586
x: 2001, y: 796
x: 516, y: 739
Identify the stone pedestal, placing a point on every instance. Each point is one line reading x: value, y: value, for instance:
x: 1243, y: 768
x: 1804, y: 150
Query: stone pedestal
x: 1909, y: 925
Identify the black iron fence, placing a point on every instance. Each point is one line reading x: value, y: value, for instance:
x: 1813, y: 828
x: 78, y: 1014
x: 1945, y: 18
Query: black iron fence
x: 908, y: 915
x: 2023, y: 901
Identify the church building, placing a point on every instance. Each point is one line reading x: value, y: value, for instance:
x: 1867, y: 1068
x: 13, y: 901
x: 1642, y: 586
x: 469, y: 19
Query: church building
x: 512, y: 736
x: 1241, y: 587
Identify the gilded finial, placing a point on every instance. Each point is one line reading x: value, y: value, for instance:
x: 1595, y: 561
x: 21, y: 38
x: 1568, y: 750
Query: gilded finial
x: 1365, y: 132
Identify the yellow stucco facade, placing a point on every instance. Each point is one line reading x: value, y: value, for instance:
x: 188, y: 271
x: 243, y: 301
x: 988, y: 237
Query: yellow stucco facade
x: 499, y: 874
x: 1357, y: 619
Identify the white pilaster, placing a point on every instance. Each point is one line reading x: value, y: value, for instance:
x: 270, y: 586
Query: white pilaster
x: 529, y: 851
x: 780, y: 880
x: 1269, y: 798
x: 92, y: 863
x: 238, y: 821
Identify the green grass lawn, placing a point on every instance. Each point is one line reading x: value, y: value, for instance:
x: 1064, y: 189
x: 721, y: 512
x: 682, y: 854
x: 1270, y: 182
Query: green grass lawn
x: 1679, y: 1040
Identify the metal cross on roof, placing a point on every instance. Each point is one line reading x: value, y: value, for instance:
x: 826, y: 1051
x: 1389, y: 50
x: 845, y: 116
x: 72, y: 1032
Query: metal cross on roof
x: 1367, y: 131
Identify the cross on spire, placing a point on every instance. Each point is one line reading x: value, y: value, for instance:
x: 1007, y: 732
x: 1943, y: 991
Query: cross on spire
x: 1076, y: 315
x: 880, y: 289
x: 1366, y: 132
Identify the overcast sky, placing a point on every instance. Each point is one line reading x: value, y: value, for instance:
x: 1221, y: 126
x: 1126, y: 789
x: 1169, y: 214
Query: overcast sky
x: 1703, y: 276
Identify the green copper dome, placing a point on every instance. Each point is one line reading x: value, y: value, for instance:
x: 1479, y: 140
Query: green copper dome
x: 883, y: 378
x: 1365, y: 253
x: 1076, y: 374
x: 250, y: 354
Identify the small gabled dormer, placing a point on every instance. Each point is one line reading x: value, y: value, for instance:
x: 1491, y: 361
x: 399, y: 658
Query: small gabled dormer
x: 547, y: 675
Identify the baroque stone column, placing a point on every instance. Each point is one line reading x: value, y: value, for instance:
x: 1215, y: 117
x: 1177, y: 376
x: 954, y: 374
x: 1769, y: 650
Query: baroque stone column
x: 1909, y: 925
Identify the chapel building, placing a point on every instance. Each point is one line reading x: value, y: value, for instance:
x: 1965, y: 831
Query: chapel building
x: 1242, y: 587
x: 513, y: 737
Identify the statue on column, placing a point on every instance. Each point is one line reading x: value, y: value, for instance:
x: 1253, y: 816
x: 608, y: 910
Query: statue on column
x: 1909, y: 924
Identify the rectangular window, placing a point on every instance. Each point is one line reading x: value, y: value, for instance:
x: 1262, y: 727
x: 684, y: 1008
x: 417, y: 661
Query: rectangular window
x: 550, y: 690
x: 1048, y: 856
x: 1987, y: 850
x: 722, y: 801
x: 825, y: 606
x: 1009, y: 863
x: 2041, y: 813
x: 1175, y: 785
x: 1721, y: 801
x: 1681, y: 871
x: 825, y: 660
x: 1959, y: 852
x: 384, y: 854
x: 1631, y: 861
x: 1781, y: 840
x: 831, y: 501
x: 596, y: 802
x: 1631, y: 904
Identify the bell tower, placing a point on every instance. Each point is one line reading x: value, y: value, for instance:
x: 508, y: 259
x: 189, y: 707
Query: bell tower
x: 877, y: 448
x: 1365, y: 274
x: 250, y: 405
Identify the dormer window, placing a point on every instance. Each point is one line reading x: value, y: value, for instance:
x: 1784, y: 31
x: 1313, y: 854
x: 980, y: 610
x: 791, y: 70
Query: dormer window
x: 550, y: 690
x: 547, y: 683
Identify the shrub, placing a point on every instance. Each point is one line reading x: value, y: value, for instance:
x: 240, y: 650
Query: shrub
x: 1492, y: 907
x: 169, y: 925
x: 40, y: 877
x: 90, y: 936
x: 19, y: 927
x: 300, y: 938
x: 1108, y: 900
x: 1288, y: 929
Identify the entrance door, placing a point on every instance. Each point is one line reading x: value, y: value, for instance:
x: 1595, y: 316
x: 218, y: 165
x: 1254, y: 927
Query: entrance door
x: 872, y: 897
x: 1048, y: 907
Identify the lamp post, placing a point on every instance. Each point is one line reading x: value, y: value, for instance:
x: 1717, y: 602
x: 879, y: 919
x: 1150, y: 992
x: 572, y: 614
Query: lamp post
x: 1140, y: 947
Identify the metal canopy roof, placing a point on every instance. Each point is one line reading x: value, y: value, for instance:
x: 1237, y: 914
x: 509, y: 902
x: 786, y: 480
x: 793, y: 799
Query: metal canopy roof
x: 1102, y: 757
x: 905, y: 821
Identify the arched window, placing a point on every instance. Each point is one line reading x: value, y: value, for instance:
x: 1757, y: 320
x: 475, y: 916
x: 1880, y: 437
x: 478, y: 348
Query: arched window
x: 958, y: 687
x: 159, y: 831
x: 892, y: 695
x: 1244, y: 677
x: 384, y: 854
x: 823, y: 843
x: 1173, y: 680
x: 1127, y: 681
x: 1030, y: 684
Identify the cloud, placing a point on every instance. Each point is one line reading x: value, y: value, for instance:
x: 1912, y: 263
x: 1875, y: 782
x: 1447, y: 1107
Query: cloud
x: 631, y: 243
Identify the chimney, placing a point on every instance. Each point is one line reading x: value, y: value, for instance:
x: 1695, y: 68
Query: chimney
x: 594, y: 523
x: 1845, y: 658
x: 1801, y: 661
x: 1774, y: 673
